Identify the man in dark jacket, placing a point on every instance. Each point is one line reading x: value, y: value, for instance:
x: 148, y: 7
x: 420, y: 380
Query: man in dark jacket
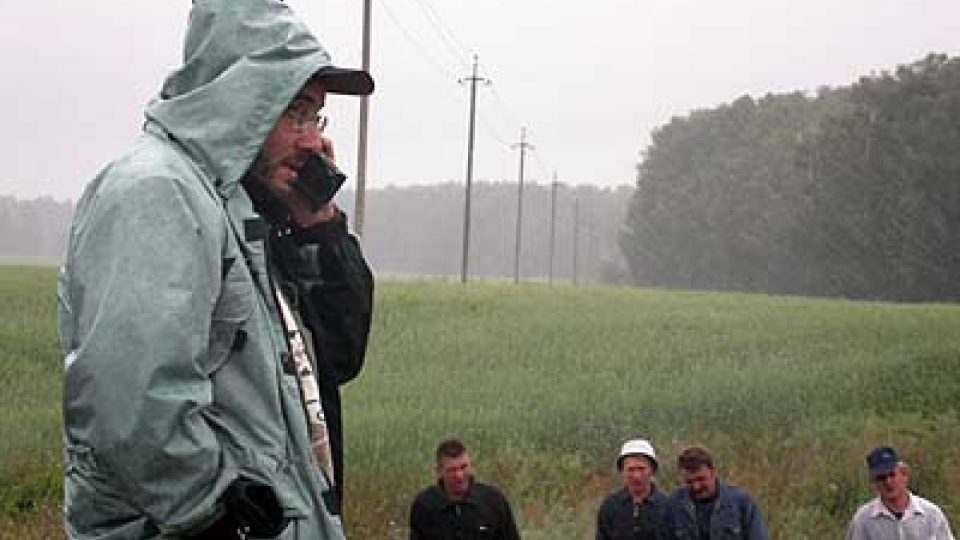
x: 707, y: 509
x: 458, y: 507
x: 637, y: 510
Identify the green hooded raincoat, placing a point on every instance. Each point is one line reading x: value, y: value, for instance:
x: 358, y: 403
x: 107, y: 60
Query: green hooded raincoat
x: 174, y: 384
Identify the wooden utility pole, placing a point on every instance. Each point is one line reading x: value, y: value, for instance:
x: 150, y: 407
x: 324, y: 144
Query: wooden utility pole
x: 359, y: 204
x: 473, y: 80
x: 576, y: 238
x: 523, y: 145
x: 553, y: 227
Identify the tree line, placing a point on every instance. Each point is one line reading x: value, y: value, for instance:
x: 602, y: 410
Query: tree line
x: 853, y: 192
x: 36, y: 228
x: 418, y: 230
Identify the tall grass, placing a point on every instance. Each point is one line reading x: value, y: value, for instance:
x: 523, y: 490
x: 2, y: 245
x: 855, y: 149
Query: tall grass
x: 544, y: 383
x: 30, y: 378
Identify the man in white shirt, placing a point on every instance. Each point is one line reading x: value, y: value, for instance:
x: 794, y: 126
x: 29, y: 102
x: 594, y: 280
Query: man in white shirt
x: 896, y: 514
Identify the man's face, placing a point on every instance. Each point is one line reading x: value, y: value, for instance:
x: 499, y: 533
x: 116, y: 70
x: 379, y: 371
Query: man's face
x: 455, y: 474
x: 701, y: 483
x: 637, y: 472
x: 294, y: 137
x: 892, y: 487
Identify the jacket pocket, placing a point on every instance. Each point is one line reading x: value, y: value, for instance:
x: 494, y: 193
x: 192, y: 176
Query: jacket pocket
x: 234, y: 307
x: 93, y: 506
x: 278, y: 473
x: 730, y: 532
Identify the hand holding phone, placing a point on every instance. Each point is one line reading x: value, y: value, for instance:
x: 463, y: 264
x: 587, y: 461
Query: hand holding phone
x: 318, y: 180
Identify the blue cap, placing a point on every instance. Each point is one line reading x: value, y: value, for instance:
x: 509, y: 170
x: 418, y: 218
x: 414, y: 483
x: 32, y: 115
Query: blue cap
x: 881, y: 461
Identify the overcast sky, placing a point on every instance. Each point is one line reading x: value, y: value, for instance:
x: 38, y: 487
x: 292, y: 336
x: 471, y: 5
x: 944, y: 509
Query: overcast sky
x: 589, y: 80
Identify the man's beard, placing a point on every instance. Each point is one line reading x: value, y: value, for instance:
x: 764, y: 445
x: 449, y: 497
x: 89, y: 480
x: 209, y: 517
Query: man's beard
x: 265, y: 202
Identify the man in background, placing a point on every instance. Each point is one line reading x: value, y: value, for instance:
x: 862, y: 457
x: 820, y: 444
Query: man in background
x: 896, y: 514
x: 637, y: 511
x: 705, y: 508
x: 457, y: 507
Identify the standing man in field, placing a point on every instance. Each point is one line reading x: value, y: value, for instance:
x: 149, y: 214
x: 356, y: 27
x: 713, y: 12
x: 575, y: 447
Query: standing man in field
x: 637, y: 511
x: 458, y: 507
x: 705, y: 508
x: 208, y: 308
x: 896, y: 514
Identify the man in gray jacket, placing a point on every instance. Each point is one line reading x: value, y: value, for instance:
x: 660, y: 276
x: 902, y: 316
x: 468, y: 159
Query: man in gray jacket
x: 208, y: 309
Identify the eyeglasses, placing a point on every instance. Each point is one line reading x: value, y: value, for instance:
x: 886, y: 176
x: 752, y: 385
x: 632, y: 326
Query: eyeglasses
x: 303, y: 117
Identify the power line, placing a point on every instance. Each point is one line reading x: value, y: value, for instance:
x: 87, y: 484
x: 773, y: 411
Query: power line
x: 449, y: 75
x: 493, y: 131
x: 448, y: 38
x: 540, y: 165
x: 451, y: 42
x: 503, y: 106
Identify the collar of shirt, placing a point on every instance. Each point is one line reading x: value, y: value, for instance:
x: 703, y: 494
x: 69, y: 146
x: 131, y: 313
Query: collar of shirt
x: 879, y: 510
x: 625, y: 496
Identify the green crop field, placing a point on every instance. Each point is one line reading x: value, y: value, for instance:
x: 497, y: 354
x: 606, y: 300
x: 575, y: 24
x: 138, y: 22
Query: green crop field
x: 544, y: 383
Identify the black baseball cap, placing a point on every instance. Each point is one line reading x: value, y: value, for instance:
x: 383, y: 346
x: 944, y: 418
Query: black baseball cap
x: 351, y: 82
x: 881, y: 461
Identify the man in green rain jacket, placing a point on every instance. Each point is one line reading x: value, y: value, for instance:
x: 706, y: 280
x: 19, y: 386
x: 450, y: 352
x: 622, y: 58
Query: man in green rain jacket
x: 195, y: 274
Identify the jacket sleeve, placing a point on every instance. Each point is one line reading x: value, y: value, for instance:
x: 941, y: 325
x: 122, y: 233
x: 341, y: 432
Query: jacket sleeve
x: 854, y: 531
x: 141, y: 279
x: 602, y: 525
x: 328, y: 267
x: 510, y: 531
x: 942, y: 527
x: 754, y: 525
x: 417, y: 517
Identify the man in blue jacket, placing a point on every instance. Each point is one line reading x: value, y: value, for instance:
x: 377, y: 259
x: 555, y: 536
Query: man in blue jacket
x: 706, y: 508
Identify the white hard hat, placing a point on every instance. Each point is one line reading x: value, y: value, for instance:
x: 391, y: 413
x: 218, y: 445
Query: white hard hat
x: 637, y: 447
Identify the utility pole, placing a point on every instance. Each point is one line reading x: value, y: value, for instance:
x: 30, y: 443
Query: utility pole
x: 523, y: 145
x: 359, y: 205
x: 553, y: 226
x: 576, y: 237
x: 473, y: 80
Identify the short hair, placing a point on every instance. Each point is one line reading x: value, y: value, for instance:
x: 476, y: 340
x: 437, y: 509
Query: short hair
x: 694, y: 457
x: 450, y: 448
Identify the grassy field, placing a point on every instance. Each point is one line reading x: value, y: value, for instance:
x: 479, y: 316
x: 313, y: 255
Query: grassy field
x: 545, y: 383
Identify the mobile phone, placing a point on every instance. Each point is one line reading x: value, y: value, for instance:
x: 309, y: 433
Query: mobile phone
x: 318, y: 180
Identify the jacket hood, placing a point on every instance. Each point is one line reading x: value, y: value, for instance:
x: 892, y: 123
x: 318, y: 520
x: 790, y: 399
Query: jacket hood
x: 243, y: 62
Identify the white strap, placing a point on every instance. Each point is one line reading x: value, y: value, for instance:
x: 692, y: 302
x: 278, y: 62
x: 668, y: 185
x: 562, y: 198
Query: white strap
x: 319, y: 437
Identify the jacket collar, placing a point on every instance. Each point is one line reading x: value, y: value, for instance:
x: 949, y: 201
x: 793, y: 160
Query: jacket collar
x: 879, y: 510
x: 722, y: 498
x: 624, y: 496
x: 469, y: 497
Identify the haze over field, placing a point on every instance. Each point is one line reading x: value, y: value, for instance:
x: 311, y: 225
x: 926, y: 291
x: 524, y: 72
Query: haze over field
x: 589, y: 81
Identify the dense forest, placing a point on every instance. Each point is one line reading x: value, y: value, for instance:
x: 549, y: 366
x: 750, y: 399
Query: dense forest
x: 418, y: 230
x: 853, y: 192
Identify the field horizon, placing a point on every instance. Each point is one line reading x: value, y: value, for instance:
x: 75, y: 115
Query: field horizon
x: 543, y: 383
